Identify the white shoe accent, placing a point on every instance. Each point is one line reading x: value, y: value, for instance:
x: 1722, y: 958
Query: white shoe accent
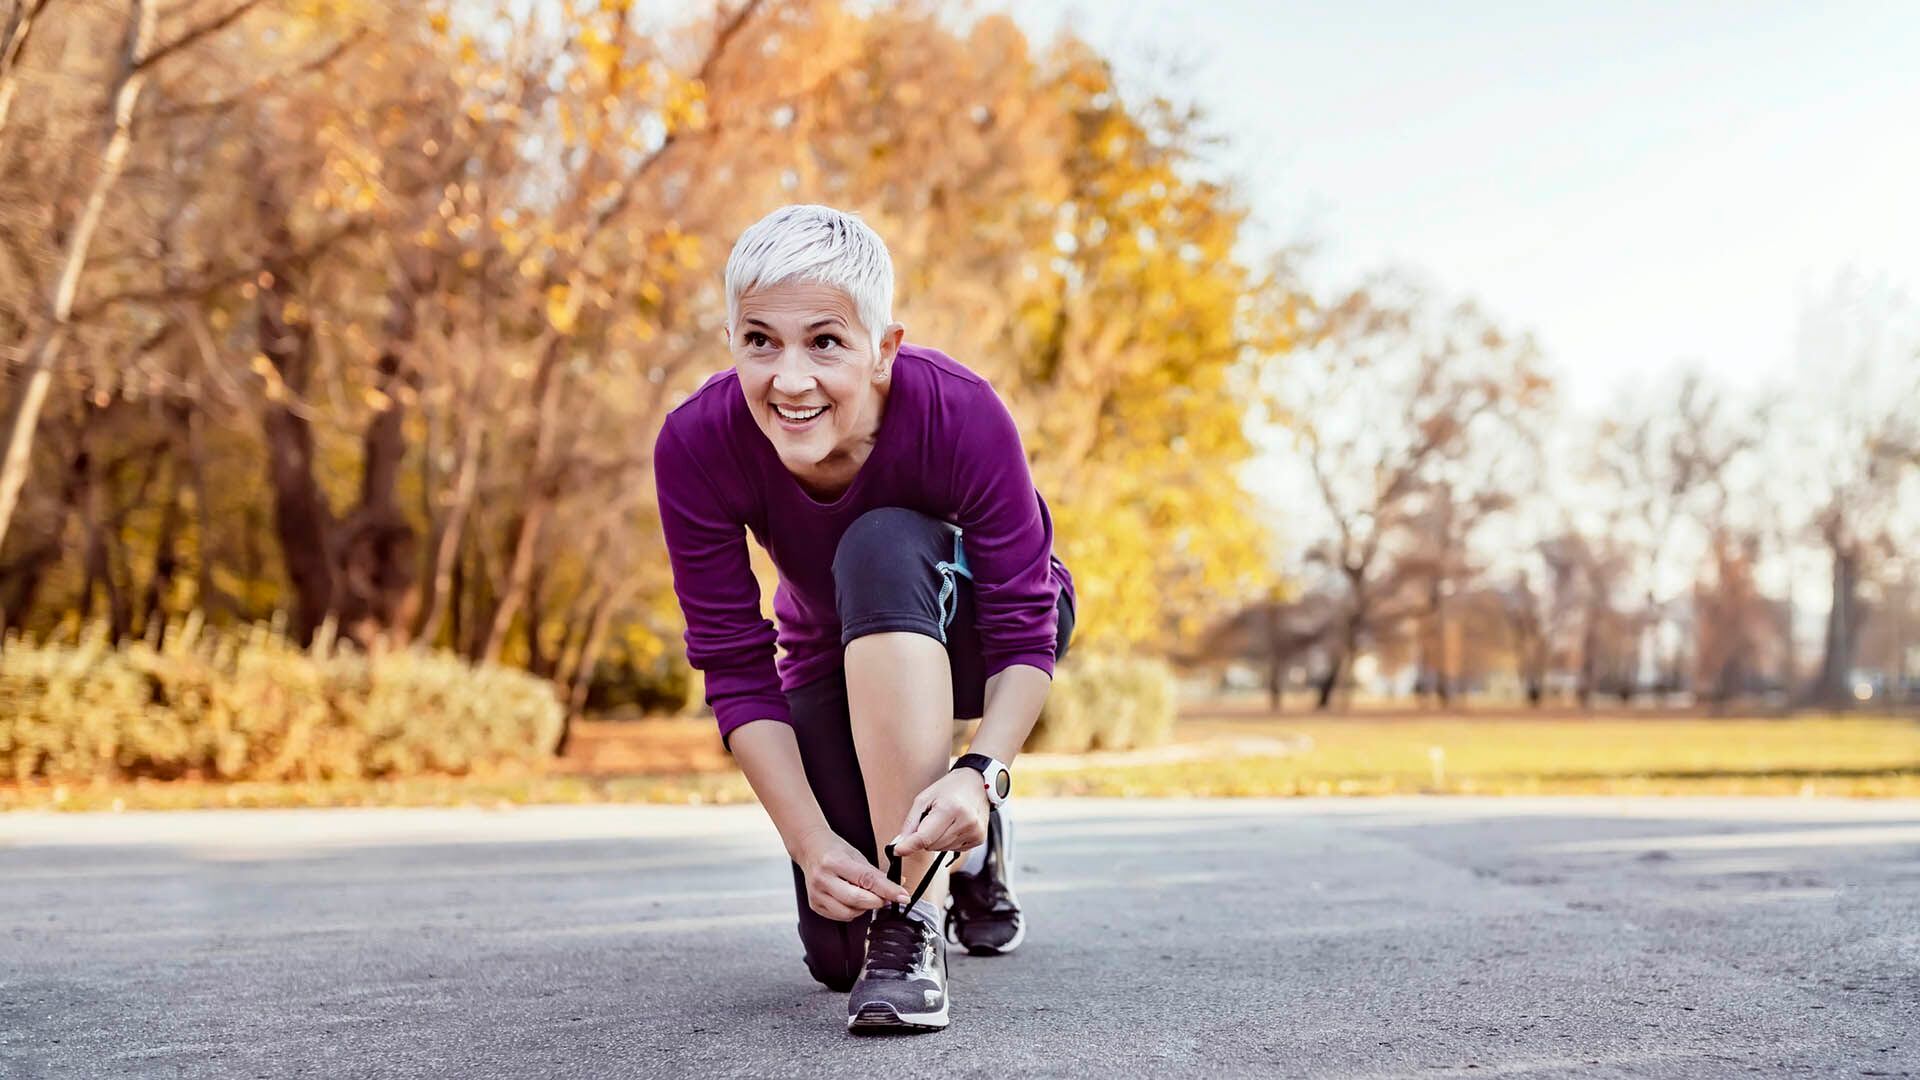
x: 1006, y: 844
x: 975, y: 861
x: 880, y: 1016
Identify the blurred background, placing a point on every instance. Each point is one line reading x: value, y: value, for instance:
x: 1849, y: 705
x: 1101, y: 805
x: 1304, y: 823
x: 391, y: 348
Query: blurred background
x: 1523, y: 398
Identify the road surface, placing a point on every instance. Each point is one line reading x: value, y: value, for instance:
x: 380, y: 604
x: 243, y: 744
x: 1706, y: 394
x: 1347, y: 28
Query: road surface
x: 1363, y: 937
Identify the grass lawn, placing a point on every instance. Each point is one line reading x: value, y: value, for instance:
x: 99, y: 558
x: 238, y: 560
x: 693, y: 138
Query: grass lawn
x: 1360, y: 755
x: 1519, y: 755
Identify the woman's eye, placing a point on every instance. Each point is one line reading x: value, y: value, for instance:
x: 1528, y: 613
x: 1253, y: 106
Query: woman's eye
x: 757, y: 340
x: 826, y: 341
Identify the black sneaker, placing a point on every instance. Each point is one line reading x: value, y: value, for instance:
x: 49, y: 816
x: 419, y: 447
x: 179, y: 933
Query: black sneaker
x: 983, y: 915
x: 903, y: 985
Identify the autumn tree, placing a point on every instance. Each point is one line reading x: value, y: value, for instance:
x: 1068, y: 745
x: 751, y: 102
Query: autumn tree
x: 385, y: 300
x: 1856, y: 439
x: 1388, y: 394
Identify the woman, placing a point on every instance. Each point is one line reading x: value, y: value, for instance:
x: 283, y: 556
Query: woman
x: 917, y: 584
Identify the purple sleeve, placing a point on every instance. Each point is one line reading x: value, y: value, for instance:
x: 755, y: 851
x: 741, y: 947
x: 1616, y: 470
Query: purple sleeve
x: 727, y: 636
x: 1008, y: 540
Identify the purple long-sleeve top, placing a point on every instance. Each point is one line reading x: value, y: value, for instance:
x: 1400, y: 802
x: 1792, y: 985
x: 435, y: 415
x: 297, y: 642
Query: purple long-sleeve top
x: 946, y: 446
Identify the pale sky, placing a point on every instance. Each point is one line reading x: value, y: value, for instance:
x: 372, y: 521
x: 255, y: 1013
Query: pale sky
x: 1639, y: 184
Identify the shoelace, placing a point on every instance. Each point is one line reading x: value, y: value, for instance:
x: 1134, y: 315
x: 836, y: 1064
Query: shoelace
x: 894, y: 870
x: 894, y: 937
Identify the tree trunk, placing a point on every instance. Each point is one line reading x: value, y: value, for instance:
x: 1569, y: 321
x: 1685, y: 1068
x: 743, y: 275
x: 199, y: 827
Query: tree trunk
x: 42, y: 357
x: 303, y: 522
x: 1276, y: 686
x: 376, y: 597
x: 456, y: 605
x: 1323, y: 699
x: 443, y: 590
x: 206, y: 595
x: 1589, y: 660
x: 539, y: 494
x: 1341, y: 670
x: 1276, y: 658
x: 28, y: 572
x: 166, y: 560
x: 590, y: 653
x: 97, y: 555
x: 579, y: 623
x: 1843, y: 629
x: 538, y: 662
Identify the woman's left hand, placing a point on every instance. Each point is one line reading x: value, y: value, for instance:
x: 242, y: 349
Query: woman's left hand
x: 950, y: 815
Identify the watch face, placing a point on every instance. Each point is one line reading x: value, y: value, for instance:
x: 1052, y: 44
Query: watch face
x: 1002, y: 783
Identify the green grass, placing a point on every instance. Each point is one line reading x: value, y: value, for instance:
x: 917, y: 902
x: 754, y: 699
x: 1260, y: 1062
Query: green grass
x: 1843, y: 756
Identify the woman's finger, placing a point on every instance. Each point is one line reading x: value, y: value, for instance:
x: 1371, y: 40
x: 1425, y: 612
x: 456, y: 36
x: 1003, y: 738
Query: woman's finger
x: 826, y: 905
x: 915, y: 815
x: 935, y: 826
x: 961, y: 837
x: 954, y: 837
x: 834, y: 886
x: 964, y: 829
x: 911, y: 839
x: 829, y: 908
x: 863, y: 875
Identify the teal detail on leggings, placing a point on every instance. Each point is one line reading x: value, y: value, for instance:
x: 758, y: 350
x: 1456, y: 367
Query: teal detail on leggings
x: 948, y: 589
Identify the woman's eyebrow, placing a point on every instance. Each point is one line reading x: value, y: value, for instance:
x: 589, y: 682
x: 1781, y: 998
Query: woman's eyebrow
x: 832, y: 320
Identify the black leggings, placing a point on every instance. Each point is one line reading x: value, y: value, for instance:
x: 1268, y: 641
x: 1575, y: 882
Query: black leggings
x: 895, y: 569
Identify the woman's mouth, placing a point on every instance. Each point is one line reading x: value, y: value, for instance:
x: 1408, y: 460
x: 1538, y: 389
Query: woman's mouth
x: 797, y: 419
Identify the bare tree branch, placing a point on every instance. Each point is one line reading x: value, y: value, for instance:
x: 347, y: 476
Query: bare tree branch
x: 198, y: 33
x: 221, y: 104
x: 19, y: 29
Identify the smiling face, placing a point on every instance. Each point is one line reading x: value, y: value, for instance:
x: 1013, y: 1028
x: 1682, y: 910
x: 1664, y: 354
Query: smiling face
x: 812, y: 377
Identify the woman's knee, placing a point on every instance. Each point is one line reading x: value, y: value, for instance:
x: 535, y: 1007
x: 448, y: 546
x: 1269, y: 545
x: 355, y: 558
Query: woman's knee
x: 883, y: 571
x: 835, y: 951
x: 879, y: 538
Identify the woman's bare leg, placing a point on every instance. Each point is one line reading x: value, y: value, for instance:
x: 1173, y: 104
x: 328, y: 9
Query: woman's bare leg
x: 900, y: 695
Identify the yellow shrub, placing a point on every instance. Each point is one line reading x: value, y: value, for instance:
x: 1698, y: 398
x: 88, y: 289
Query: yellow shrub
x: 1106, y: 703
x: 250, y: 705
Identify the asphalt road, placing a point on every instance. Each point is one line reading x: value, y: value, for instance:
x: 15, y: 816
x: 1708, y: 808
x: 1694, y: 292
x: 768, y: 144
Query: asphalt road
x: 1402, y: 937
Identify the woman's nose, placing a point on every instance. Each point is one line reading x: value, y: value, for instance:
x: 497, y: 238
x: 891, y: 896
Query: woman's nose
x: 790, y: 375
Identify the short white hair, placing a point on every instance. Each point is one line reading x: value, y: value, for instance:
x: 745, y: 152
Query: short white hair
x: 820, y: 244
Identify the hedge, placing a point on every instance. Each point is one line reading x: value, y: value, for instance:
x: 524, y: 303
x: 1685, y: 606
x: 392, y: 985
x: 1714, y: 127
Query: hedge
x: 1106, y: 703
x: 250, y: 705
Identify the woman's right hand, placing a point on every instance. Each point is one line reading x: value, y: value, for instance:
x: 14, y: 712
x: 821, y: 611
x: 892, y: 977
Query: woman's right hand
x: 841, y: 882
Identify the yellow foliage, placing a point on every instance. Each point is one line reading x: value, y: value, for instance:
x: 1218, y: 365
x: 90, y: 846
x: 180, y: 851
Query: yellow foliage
x: 561, y: 308
x: 603, y: 57
x: 685, y: 106
x: 1106, y: 702
x: 251, y: 706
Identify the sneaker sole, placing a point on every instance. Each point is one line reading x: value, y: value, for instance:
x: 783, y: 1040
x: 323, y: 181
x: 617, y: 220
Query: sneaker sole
x: 878, y: 1017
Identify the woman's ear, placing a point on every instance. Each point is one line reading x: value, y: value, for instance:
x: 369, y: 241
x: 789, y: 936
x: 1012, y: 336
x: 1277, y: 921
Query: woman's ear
x: 890, y: 340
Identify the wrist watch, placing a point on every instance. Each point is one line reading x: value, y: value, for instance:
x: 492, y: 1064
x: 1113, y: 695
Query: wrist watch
x: 998, y: 777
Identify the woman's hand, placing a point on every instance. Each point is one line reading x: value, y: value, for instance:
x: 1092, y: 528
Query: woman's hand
x: 950, y: 815
x: 841, y: 882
